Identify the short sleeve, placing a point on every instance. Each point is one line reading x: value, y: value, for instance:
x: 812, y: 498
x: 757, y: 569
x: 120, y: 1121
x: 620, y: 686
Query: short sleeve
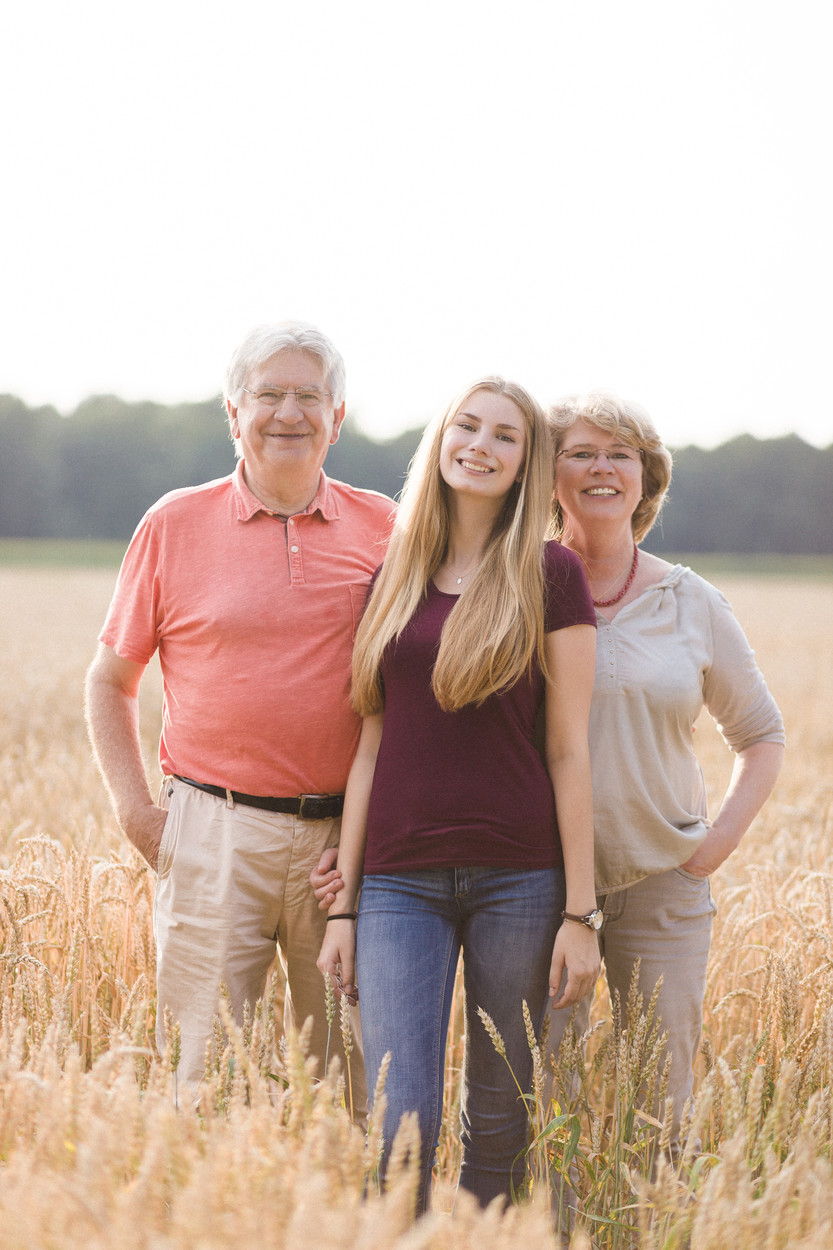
x: 734, y: 689
x: 132, y: 624
x: 568, y: 596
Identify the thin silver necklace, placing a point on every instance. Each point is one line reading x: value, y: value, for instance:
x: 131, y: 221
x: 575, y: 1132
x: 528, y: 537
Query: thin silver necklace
x: 470, y: 569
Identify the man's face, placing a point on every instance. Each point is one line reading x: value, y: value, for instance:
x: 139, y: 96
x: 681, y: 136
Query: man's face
x: 292, y: 434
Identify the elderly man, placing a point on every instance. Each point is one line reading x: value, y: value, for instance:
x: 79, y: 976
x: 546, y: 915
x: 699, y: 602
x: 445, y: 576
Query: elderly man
x: 251, y: 588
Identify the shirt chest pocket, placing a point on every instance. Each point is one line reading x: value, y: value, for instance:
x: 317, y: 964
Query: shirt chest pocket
x: 359, y: 595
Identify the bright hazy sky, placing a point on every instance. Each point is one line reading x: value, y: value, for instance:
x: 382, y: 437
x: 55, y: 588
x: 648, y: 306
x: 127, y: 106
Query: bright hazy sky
x: 625, y: 193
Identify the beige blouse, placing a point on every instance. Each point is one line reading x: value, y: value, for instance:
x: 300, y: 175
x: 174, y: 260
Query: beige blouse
x: 674, y: 649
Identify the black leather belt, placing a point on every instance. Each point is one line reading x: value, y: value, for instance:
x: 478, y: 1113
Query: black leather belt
x: 309, y: 806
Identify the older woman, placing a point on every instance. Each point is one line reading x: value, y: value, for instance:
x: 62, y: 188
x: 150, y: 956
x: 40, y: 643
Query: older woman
x: 668, y: 645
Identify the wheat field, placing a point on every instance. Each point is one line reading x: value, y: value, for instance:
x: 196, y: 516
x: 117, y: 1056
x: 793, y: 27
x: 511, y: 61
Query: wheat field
x: 95, y: 1151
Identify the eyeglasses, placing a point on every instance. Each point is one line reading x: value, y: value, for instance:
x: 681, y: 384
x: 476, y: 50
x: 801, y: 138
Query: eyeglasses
x: 613, y: 455
x: 306, y: 397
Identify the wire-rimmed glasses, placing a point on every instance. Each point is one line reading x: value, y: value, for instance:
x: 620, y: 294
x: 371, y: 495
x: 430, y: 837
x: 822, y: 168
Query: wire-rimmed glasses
x: 308, y: 398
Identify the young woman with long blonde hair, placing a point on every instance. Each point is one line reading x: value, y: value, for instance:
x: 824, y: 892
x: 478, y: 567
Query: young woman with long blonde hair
x: 457, y: 834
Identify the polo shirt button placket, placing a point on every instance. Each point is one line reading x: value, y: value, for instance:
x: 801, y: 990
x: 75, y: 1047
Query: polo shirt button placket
x: 294, y: 549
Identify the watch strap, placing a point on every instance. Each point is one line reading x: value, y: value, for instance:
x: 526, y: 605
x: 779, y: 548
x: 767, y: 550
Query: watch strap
x: 586, y: 920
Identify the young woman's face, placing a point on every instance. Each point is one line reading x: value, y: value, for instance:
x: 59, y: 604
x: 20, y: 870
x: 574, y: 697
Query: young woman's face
x: 484, y: 446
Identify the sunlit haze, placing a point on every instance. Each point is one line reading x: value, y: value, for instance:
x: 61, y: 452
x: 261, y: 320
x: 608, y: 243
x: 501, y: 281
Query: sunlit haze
x: 634, y: 196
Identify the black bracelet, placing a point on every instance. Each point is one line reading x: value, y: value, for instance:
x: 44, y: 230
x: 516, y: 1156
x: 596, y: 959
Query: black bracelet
x: 344, y: 915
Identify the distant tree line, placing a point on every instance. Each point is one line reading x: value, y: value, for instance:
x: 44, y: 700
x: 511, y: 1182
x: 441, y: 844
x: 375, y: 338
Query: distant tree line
x: 94, y: 473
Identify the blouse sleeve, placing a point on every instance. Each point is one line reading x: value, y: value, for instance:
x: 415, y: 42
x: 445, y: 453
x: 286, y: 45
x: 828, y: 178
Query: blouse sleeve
x: 734, y: 690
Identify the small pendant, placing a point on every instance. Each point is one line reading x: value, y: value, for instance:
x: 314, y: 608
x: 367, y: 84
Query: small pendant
x: 459, y: 581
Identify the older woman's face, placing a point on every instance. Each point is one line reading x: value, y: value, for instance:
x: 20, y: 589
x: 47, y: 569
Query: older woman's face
x: 598, y: 478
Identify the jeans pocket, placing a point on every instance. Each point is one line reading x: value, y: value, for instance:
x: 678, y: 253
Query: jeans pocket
x: 692, y: 876
x: 699, y: 900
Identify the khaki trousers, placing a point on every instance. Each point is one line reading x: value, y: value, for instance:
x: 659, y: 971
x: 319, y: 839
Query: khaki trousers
x: 665, y: 921
x: 233, y: 885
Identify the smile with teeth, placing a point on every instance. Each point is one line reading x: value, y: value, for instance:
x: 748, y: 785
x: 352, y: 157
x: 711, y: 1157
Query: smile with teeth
x: 601, y: 490
x: 477, y: 468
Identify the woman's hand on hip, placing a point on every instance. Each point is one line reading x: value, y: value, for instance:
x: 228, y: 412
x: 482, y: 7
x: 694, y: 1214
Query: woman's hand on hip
x: 711, y: 853
x: 575, y: 961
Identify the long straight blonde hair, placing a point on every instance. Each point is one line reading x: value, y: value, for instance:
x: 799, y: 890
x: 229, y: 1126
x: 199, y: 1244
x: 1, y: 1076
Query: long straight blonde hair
x: 496, y: 628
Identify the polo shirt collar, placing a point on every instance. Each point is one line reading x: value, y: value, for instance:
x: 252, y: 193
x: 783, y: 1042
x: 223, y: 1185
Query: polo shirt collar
x: 248, y: 505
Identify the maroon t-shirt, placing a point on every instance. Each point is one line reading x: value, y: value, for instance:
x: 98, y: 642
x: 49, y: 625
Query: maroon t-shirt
x: 466, y: 789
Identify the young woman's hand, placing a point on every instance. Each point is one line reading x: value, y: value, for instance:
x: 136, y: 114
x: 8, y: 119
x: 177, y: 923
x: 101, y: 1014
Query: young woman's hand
x: 575, y: 962
x: 338, y: 958
x: 325, y: 878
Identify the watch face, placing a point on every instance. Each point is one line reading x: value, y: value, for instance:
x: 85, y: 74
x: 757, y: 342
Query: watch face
x: 596, y: 918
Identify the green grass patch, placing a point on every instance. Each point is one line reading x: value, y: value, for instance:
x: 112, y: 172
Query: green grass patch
x: 61, y: 552
x: 95, y: 553
x: 733, y: 564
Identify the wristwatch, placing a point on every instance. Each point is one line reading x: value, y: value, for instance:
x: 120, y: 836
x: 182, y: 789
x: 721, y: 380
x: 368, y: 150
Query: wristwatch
x: 593, y: 919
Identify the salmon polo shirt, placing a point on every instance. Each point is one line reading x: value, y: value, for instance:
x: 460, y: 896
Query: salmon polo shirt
x: 254, y: 618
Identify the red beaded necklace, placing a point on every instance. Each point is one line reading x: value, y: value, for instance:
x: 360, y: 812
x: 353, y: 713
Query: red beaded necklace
x: 608, y: 603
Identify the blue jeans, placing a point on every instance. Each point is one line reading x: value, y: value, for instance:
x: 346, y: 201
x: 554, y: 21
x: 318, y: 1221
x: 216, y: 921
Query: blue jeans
x: 412, y: 927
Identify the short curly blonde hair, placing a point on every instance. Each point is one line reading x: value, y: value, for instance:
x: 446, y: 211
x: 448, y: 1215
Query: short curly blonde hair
x: 630, y: 423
